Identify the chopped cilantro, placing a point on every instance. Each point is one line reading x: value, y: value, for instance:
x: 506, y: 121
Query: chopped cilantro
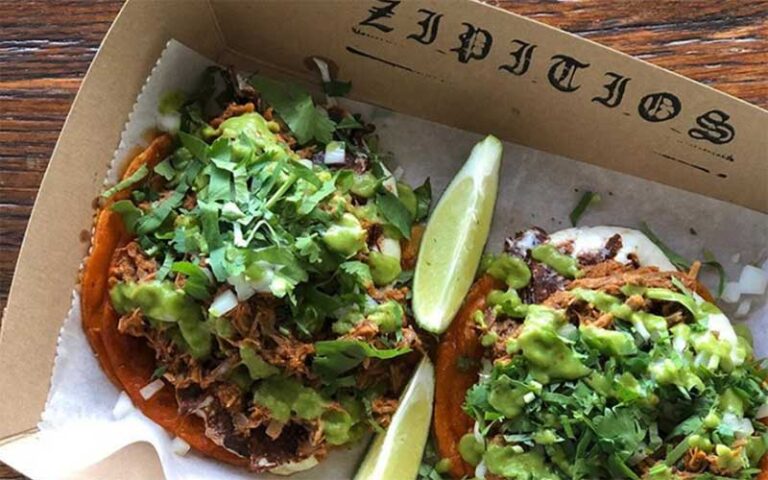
x: 307, y: 121
x: 587, y: 199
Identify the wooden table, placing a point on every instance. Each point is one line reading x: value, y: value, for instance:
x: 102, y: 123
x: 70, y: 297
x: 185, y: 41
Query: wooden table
x: 46, y: 46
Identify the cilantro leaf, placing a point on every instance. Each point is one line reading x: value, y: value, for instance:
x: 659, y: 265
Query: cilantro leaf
x: 680, y: 262
x: 711, y: 261
x: 197, y: 147
x: 152, y: 220
x: 165, y: 169
x: 197, y: 284
x: 334, y: 357
x: 219, y: 185
x: 130, y: 213
x: 131, y: 180
x: 309, y: 203
x: 337, y: 88
x: 306, y: 121
x: 359, y: 270
x: 209, y: 220
x: 309, y: 249
x: 349, y: 123
x: 587, y: 199
x: 395, y: 212
x: 423, y: 200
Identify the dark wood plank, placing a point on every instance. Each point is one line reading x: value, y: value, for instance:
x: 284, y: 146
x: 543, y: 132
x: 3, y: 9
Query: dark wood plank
x: 46, y: 46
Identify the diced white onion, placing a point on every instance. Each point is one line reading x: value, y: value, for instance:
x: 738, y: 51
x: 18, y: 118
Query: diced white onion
x: 370, y: 302
x: 679, y: 344
x: 122, y: 407
x: 736, y: 257
x: 731, y: 292
x: 150, y: 390
x: 389, y: 246
x: 325, y: 74
x: 223, y: 303
x: 243, y: 288
x: 231, y: 211
x: 169, y: 122
x: 640, y: 328
x: 390, y: 183
x: 762, y: 412
x: 239, y: 240
x: 742, y: 427
x: 743, y: 309
x: 480, y: 470
x: 335, y: 153
x: 701, y: 359
x: 179, y: 446
x: 306, y: 162
x: 753, y: 280
x: 568, y: 331
x: 529, y: 397
x: 476, y: 432
x: 398, y: 173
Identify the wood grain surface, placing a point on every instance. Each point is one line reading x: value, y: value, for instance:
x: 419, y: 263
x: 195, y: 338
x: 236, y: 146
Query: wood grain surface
x: 46, y: 46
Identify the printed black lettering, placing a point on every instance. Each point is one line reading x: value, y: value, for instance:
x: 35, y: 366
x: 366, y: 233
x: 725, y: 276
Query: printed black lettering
x: 475, y: 44
x: 563, y: 71
x: 614, y: 90
x: 377, y: 14
x: 659, y: 107
x: 713, y: 126
x: 430, y: 24
x: 521, y: 57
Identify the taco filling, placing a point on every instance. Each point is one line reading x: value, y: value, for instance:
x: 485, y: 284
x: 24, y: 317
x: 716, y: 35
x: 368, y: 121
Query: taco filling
x: 248, y: 285
x: 587, y: 355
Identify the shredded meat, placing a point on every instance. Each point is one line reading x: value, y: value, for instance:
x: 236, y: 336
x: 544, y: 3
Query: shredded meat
x: 388, y: 293
x: 696, y: 460
x: 365, y: 330
x: 132, y: 324
x: 383, y: 409
x: 607, y: 252
x: 232, y: 110
x: 130, y: 264
x: 643, y: 276
x: 289, y: 354
x: 506, y: 329
x: 544, y: 282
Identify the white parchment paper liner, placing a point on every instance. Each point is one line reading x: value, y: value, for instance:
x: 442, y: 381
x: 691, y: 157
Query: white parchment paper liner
x: 78, y: 429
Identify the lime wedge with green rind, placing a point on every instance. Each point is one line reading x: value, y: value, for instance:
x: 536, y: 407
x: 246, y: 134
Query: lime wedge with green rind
x: 455, y: 238
x: 396, y: 453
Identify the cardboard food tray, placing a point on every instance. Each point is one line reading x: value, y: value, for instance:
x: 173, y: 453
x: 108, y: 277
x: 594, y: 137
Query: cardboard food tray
x: 465, y: 65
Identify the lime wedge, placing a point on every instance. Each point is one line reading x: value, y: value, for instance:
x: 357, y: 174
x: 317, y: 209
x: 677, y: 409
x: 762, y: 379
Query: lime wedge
x: 396, y: 453
x: 455, y: 238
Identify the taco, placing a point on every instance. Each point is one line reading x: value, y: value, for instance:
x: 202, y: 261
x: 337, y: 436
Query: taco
x: 247, y: 285
x: 587, y: 355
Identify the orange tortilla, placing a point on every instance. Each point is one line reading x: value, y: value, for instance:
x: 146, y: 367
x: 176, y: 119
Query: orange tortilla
x: 128, y: 361
x: 453, y: 380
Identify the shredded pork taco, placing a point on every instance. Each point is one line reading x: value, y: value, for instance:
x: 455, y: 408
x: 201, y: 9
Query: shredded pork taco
x: 587, y: 355
x: 248, y: 283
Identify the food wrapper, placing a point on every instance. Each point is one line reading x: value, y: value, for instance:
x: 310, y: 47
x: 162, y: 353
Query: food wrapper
x: 78, y: 428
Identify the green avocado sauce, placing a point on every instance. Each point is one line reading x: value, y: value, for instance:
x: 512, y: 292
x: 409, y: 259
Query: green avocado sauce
x: 507, y: 462
x: 161, y: 302
x: 540, y: 344
x: 563, y: 264
x: 509, y: 269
